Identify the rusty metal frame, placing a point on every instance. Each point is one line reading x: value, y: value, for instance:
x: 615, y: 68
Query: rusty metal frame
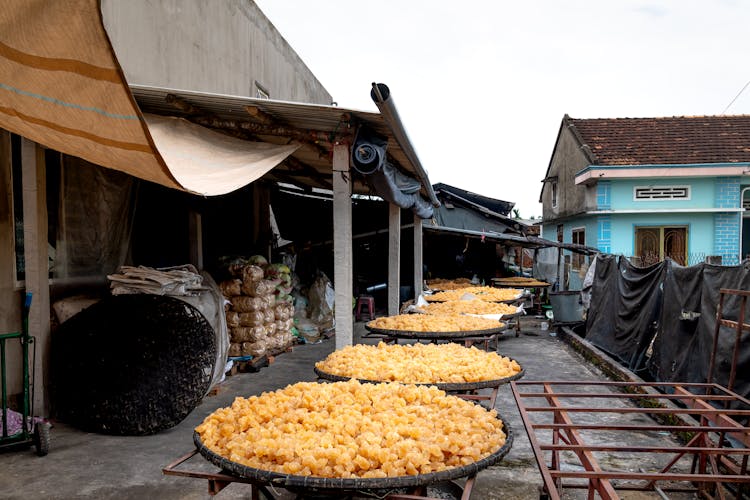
x: 711, y: 422
x: 714, y: 462
x: 219, y: 480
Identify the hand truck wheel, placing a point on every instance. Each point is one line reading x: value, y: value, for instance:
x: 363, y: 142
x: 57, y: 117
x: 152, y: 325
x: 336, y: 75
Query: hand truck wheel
x: 41, y: 438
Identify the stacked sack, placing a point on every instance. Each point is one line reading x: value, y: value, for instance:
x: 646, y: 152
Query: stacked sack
x: 258, y: 323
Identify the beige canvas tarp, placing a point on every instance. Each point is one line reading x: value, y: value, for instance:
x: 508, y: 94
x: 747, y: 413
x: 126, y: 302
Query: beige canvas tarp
x: 210, y: 163
x: 61, y: 86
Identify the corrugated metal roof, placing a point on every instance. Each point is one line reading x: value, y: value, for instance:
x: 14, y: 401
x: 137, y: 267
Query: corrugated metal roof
x: 323, y: 124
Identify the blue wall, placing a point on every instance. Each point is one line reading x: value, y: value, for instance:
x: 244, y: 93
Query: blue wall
x: 700, y: 229
x: 702, y: 194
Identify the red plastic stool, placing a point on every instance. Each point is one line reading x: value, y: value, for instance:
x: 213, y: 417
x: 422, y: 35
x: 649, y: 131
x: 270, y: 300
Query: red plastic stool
x: 369, y: 302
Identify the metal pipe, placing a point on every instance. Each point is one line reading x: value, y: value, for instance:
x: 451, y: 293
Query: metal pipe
x: 381, y: 95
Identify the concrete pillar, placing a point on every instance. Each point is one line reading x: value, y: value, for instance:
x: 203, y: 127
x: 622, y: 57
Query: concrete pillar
x: 394, y: 258
x: 417, y: 257
x: 342, y: 246
x: 36, y: 254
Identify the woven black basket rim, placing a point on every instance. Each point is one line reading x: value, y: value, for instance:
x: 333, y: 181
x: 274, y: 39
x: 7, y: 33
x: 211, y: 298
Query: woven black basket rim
x: 445, y: 386
x: 518, y: 312
x: 506, y: 301
x: 411, y: 334
x: 339, y: 484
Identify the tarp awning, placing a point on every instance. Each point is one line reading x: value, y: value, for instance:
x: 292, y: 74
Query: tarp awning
x: 208, y: 162
x: 61, y: 86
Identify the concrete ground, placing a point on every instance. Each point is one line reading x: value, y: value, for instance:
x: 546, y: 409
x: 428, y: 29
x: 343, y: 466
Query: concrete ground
x: 85, y: 465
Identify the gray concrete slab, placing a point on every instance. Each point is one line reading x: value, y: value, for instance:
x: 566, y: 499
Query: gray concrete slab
x: 84, y: 465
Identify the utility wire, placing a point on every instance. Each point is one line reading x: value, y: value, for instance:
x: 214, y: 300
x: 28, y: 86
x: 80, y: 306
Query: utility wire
x: 735, y: 97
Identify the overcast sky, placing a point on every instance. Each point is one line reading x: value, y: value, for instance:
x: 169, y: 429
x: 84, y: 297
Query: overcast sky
x: 481, y: 86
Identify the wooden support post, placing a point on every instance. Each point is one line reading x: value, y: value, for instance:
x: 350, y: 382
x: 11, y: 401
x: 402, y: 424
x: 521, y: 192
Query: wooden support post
x: 195, y: 228
x: 36, y: 255
x: 394, y: 259
x: 342, y: 246
x: 417, y: 257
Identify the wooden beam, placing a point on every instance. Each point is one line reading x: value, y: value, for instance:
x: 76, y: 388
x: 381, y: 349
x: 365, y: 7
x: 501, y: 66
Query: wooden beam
x: 394, y: 259
x: 183, y: 105
x: 260, y: 116
x: 195, y: 232
x: 303, y: 135
x: 342, y: 246
x: 36, y: 255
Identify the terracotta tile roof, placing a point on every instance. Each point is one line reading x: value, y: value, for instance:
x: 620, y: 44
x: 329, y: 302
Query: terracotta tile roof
x: 665, y: 141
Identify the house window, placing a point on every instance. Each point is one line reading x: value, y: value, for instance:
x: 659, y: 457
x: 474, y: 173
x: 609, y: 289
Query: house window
x: 261, y: 92
x: 654, y: 244
x: 553, y: 185
x: 658, y: 193
x: 560, y: 233
x: 579, y: 238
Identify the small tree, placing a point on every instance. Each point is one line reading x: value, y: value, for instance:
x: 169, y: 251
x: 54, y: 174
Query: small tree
x: 516, y: 214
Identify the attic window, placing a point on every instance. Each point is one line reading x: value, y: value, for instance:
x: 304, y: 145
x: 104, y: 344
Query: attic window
x: 657, y: 193
x: 261, y: 92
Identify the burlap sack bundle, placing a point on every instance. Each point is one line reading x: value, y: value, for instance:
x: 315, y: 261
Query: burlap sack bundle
x: 233, y: 319
x: 235, y: 350
x: 256, y: 288
x: 248, y: 333
x: 253, y: 318
x: 255, y: 349
x: 247, y: 304
x: 231, y: 288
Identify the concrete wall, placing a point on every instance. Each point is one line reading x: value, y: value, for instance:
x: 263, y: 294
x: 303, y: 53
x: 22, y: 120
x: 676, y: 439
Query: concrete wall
x: 566, y: 161
x: 221, y: 47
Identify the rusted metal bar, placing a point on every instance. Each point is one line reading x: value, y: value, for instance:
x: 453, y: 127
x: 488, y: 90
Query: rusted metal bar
x: 714, y: 467
x: 548, y: 481
x: 690, y: 411
x: 601, y: 485
x: 652, y: 476
x: 216, y: 481
x: 637, y: 427
x: 652, y: 449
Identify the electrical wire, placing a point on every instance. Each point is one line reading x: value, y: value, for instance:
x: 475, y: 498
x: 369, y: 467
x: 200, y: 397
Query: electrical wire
x: 736, y: 97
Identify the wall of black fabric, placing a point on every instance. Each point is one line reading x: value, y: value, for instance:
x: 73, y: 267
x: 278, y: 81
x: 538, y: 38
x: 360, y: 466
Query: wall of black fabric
x: 625, y: 309
x: 675, y: 308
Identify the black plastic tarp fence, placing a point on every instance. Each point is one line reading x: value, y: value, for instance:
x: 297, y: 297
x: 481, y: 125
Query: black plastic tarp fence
x: 659, y: 321
x: 625, y: 305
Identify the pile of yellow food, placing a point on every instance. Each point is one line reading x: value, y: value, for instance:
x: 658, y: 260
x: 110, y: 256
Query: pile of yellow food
x: 488, y: 293
x: 444, y: 284
x: 434, y: 323
x: 349, y: 429
x: 522, y: 282
x: 474, y: 306
x: 418, y: 363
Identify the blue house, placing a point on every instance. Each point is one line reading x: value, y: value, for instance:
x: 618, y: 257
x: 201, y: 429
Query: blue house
x: 651, y: 188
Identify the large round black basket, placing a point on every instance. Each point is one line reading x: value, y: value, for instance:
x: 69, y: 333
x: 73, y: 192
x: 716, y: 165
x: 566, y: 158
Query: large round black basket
x: 131, y: 364
x: 341, y: 486
x: 445, y: 386
x: 410, y: 334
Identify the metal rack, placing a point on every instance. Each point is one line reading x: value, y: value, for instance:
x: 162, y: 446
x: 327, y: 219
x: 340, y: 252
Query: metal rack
x: 701, y: 444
